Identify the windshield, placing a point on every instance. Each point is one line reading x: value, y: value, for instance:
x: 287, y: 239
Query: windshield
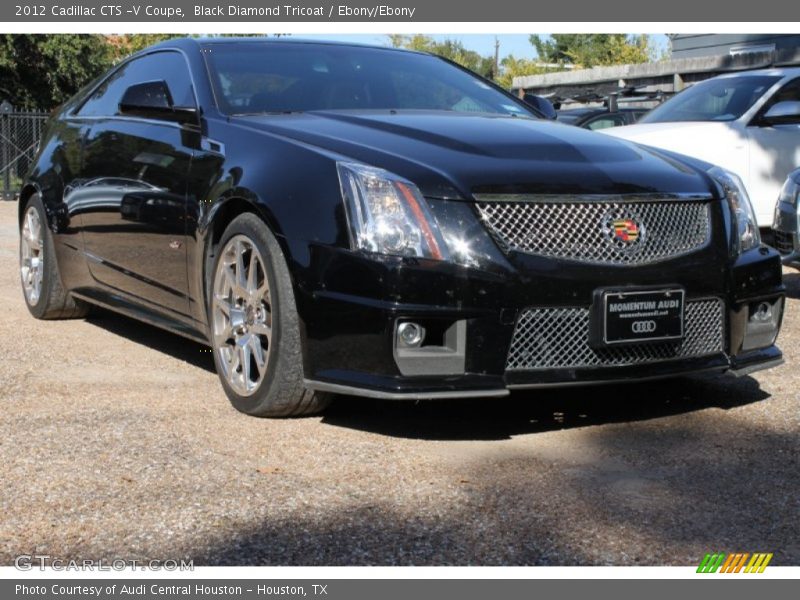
x: 253, y: 78
x: 721, y: 99
x: 569, y: 118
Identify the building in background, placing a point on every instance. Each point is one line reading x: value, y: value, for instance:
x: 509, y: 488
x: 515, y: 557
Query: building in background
x: 693, y: 58
x: 693, y: 45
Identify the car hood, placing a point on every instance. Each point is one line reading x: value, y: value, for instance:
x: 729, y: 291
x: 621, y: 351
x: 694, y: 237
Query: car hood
x: 680, y: 136
x: 452, y: 155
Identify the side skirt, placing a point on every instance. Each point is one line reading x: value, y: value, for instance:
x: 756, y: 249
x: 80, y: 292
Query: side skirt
x: 126, y: 308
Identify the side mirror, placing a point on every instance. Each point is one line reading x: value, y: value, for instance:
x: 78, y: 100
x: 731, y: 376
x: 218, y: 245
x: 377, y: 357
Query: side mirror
x: 153, y: 100
x: 782, y: 113
x: 543, y: 106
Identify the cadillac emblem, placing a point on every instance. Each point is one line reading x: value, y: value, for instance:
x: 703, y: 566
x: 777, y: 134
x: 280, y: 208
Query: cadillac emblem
x: 623, y: 232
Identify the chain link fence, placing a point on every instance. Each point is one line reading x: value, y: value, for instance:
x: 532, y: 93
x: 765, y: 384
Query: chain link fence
x: 20, y: 132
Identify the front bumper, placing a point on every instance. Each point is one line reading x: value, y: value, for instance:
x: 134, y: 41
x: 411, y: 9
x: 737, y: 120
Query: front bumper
x: 351, y: 312
x: 486, y: 388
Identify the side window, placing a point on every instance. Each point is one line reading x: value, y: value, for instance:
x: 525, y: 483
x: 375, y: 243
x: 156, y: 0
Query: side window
x: 104, y: 100
x: 605, y: 122
x: 169, y: 66
x: 173, y: 69
x: 790, y: 91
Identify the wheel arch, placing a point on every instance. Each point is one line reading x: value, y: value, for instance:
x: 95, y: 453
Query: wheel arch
x: 28, y: 190
x: 222, y: 213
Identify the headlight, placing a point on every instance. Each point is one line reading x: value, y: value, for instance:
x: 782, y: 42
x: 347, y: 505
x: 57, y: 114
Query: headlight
x: 744, y: 217
x: 789, y: 192
x: 387, y: 214
x: 787, y: 214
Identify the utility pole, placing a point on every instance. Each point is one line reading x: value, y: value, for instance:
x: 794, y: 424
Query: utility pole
x: 496, y: 72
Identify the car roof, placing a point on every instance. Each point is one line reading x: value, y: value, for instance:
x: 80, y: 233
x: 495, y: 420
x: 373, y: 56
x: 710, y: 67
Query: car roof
x: 775, y: 72
x: 194, y: 43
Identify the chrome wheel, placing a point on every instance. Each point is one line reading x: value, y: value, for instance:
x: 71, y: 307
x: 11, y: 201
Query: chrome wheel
x: 31, y: 256
x: 241, y: 313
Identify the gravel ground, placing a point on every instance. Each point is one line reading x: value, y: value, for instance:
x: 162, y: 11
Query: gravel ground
x: 117, y: 441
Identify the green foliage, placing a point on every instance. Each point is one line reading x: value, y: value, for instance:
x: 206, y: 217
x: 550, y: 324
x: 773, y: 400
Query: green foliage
x: 593, y: 49
x: 450, y: 49
x: 129, y: 43
x: 511, y: 67
x: 45, y: 70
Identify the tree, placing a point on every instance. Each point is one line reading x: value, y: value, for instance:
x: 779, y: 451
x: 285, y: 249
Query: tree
x: 123, y: 45
x: 511, y: 67
x: 45, y: 70
x: 450, y: 49
x: 594, y: 49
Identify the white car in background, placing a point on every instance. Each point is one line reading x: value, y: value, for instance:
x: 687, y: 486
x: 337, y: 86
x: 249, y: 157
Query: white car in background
x: 747, y: 123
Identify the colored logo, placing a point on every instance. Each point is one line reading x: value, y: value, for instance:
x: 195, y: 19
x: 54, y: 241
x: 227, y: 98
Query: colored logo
x: 738, y: 562
x: 625, y: 231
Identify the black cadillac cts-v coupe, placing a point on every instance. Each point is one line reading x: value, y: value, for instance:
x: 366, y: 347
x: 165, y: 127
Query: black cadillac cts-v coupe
x: 346, y: 219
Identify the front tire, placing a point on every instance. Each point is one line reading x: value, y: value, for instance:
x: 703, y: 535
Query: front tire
x: 255, y: 331
x: 44, y: 293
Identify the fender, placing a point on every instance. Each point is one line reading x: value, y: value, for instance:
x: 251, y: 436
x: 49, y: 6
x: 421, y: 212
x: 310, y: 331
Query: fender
x: 210, y: 226
x: 30, y: 188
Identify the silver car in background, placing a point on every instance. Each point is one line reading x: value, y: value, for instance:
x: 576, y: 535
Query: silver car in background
x: 785, y: 222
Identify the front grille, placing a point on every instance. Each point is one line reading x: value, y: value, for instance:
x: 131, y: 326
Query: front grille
x: 784, y: 242
x: 558, y: 338
x: 589, y: 231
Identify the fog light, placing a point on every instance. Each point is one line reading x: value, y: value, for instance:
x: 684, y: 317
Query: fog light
x: 410, y: 334
x: 430, y: 346
x: 763, y: 324
x: 763, y: 312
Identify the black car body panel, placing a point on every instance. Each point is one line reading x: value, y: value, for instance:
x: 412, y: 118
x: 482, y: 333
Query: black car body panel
x: 136, y: 206
x: 456, y: 155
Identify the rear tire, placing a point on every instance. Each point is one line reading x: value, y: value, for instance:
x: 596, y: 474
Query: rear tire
x: 44, y: 292
x: 254, y: 327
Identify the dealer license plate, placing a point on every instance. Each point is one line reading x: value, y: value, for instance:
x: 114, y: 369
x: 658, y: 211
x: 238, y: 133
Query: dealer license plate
x: 642, y: 316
